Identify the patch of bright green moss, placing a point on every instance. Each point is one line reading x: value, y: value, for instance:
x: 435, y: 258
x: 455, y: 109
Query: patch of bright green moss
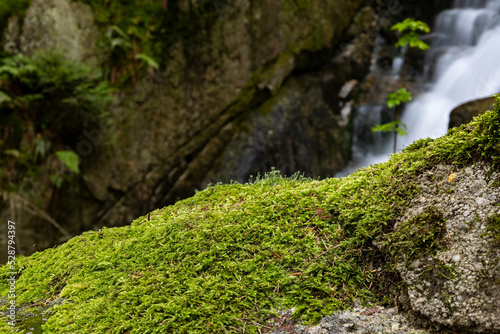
x: 231, y: 255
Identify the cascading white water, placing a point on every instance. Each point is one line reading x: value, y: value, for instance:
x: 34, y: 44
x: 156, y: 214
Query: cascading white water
x: 468, y: 69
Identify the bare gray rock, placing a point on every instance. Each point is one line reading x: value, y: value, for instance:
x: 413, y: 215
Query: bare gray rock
x: 359, y: 320
x: 458, y: 287
x: 61, y: 25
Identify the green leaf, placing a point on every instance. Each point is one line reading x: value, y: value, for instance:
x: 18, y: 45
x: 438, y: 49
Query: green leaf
x: 10, y: 70
x: 386, y: 127
x: 402, y: 130
x: 11, y: 151
x: 410, y: 24
x: 397, y: 126
x: 119, y: 32
x: 150, y: 61
x: 411, y: 31
x: 4, y: 98
x: 416, y: 43
x: 70, y: 159
x: 120, y: 42
x: 402, y: 95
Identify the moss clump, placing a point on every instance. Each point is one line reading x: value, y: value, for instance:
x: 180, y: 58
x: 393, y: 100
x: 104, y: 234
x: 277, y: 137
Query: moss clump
x: 228, y: 257
x: 423, y: 235
x: 493, y: 227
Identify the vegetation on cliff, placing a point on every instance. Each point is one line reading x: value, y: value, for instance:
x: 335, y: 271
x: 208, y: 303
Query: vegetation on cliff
x: 230, y: 256
x: 9, y: 8
x: 45, y: 103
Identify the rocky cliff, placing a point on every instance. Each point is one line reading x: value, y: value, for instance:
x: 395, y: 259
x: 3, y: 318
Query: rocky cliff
x: 255, y: 86
x: 241, y: 87
x: 420, y: 232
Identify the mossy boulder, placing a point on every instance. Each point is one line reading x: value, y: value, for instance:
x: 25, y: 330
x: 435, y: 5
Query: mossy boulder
x: 232, y: 255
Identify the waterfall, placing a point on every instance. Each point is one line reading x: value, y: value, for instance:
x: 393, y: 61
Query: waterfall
x: 467, y: 67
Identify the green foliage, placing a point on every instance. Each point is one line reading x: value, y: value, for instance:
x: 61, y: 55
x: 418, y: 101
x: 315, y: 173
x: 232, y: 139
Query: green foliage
x: 45, y: 102
x: 9, y: 8
x: 137, y: 34
x: 420, y: 236
x: 53, y: 93
x: 397, y: 126
x: 148, y: 60
x: 410, y: 24
x: 402, y: 95
x: 412, y: 39
x: 411, y: 30
x: 233, y: 254
x: 70, y: 159
x: 130, y: 28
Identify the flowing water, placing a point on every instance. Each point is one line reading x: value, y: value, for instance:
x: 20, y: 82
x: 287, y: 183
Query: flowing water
x: 465, y: 60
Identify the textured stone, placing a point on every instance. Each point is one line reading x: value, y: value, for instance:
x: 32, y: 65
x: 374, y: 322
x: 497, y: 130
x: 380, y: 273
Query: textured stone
x: 458, y: 288
x: 353, y: 321
x: 54, y: 25
x: 465, y: 112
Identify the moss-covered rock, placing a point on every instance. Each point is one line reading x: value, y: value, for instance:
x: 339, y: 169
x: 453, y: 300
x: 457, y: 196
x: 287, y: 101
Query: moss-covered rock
x: 229, y: 257
x: 449, y: 263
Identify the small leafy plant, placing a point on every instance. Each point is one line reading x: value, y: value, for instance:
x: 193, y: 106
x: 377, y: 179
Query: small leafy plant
x: 45, y: 103
x: 410, y: 30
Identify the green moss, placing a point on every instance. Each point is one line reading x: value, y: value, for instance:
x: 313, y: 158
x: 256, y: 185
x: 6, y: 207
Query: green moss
x: 420, y: 236
x: 493, y: 227
x: 232, y: 254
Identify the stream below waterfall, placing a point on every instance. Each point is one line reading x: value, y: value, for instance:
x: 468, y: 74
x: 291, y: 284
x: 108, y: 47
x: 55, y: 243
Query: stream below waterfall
x: 464, y: 60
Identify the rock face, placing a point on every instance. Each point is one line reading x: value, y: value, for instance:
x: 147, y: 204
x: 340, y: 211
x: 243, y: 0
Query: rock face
x: 464, y: 113
x: 458, y: 287
x: 258, y: 87
x: 267, y: 84
x: 61, y: 25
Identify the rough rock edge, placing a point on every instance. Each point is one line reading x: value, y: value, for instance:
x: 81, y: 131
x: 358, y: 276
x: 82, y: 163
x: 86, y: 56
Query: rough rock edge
x: 468, y: 299
x: 358, y: 320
